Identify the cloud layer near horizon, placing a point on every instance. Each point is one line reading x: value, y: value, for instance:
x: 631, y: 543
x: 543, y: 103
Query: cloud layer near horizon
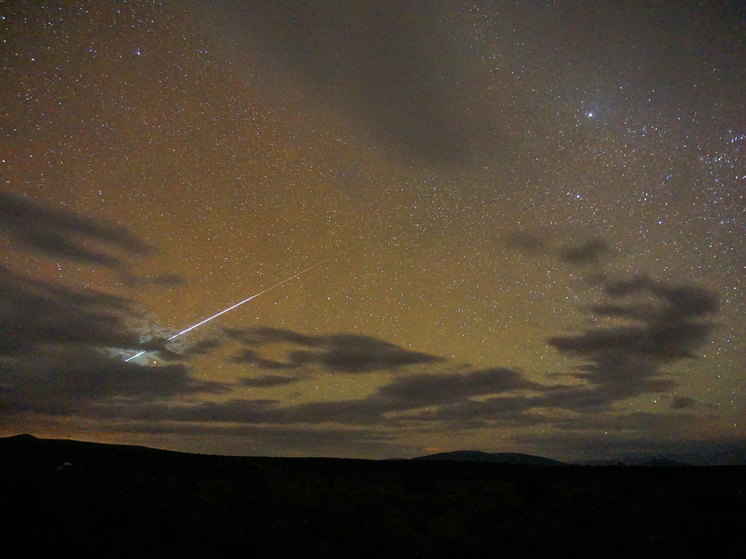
x: 58, y: 359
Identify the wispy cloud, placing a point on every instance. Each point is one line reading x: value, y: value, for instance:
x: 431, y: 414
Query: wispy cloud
x: 60, y: 233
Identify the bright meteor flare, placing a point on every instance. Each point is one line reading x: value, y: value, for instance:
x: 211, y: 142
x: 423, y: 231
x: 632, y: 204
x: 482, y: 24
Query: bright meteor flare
x: 209, y: 318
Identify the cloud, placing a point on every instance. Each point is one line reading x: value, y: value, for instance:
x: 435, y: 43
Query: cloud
x: 345, y: 353
x: 352, y: 353
x: 683, y: 402
x: 405, y: 79
x: 655, y: 435
x: 582, y: 398
x: 155, y: 280
x: 665, y: 323
x: 251, y: 357
x: 264, y: 335
x: 252, y: 411
x: 586, y: 251
x: 274, y: 440
x: 368, y: 411
x: 59, y: 344
x: 590, y: 251
x: 526, y: 241
x: 59, y: 233
x: 264, y: 381
x: 501, y: 410
x: 66, y: 382
x: 383, y: 407
x: 432, y: 388
x: 228, y: 411
x: 201, y: 347
x: 619, y: 423
x: 39, y: 317
x: 681, y: 300
x: 363, y: 411
x: 36, y: 314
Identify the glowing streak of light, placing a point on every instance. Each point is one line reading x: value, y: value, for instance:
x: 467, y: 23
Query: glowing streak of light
x: 208, y: 319
x: 135, y: 356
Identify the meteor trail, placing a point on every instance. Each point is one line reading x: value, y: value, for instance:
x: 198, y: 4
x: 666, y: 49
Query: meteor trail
x: 209, y: 318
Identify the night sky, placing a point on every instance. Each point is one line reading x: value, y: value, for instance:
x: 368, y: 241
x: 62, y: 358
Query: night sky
x: 529, y: 218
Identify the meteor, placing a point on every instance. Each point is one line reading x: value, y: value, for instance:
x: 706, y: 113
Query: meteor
x: 209, y: 318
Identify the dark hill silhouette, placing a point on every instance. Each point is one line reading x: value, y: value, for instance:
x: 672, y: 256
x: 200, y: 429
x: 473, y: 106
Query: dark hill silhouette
x: 663, y: 462
x: 18, y: 441
x: 493, y: 457
x: 71, y: 498
x: 30, y: 442
x: 733, y: 454
x: 649, y: 461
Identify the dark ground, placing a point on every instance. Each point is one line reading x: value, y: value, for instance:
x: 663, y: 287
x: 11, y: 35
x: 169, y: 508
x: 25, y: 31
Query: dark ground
x: 65, y: 498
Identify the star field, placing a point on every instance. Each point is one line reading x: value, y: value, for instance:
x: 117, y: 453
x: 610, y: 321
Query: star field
x: 534, y: 214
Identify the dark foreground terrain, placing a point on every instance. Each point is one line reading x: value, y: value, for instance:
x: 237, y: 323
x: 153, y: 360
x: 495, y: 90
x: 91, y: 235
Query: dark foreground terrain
x: 66, y: 498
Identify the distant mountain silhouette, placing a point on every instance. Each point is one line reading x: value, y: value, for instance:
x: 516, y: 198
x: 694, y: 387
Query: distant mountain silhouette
x: 24, y: 439
x: 67, y: 453
x: 494, y: 457
x: 724, y: 455
x: 663, y: 462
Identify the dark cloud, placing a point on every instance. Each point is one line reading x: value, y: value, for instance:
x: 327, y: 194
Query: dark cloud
x: 274, y: 440
x: 656, y: 435
x: 365, y: 411
x: 683, y: 402
x: 54, y: 361
x: 201, y: 347
x: 164, y: 349
x: 247, y: 411
x: 34, y: 313
x: 59, y: 233
x: 526, y: 241
x: 156, y: 280
x: 66, y: 382
x: 399, y: 73
x: 636, y: 339
x: 58, y: 345
x: 501, y: 410
x: 264, y: 335
x: 620, y: 423
x: 587, y: 252
x: 251, y: 357
x: 163, y: 353
x: 257, y: 411
x: 269, y: 380
x: 432, y: 388
x: 346, y: 353
x: 352, y: 353
x: 666, y: 323
x: 681, y: 300
x: 581, y: 398
x: 449, y: 393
